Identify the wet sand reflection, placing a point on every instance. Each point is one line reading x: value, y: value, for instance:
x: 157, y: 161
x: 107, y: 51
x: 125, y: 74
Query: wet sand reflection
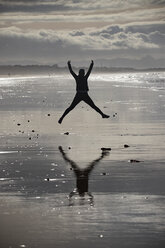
x: 82, y: 177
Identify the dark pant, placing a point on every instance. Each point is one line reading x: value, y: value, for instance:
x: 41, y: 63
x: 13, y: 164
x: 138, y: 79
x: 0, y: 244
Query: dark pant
x: 81, y: 96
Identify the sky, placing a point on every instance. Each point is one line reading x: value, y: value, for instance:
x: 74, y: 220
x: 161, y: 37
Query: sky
x: 116, y: 33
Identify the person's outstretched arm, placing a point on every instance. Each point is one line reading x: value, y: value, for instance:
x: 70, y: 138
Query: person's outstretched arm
x: 65, y: 157
x: 70, y: 69
x: 96, y: 161
x: 90, y: 69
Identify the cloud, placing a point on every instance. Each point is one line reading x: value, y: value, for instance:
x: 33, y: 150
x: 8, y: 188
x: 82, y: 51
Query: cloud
x: 83, y: 11
x: 109, y: 38
x: 45, y: 45
x: 146, y: 29
x: 32, y: 6
x: 157, y: 38
x: 123, y: 37
x: 110, y: 30
x: 77, y: 33
x: 126, y: 27
x: 158, y: 2
x: 75, y: 5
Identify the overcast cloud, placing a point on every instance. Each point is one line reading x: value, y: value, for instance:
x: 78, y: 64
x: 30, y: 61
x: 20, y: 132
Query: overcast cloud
x: 114, y: 33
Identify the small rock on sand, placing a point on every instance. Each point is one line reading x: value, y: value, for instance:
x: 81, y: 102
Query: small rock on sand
x: 104, y: 174
x: 67, y: 133
x: 106, y: 149
x: 126, y: 146
x: 134, y: 161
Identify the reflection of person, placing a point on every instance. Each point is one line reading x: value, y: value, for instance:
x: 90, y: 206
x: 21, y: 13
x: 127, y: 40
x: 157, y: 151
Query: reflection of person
x: 82, y: 91
x: 82, y: 175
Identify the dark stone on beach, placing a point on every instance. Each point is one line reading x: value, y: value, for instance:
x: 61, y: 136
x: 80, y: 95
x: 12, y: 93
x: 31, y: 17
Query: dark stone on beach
x: 126, y: 146
x: 33, y: 131
x: 67, y: 133
x: 48, y: 114
x: 28, y: 120
x: 114, y: 115
x: 69, y: 147
x: 106, y: 149
x: 18, y: 124
x: 30, y: 138
x: 134, y: 161
x: 104, y: 173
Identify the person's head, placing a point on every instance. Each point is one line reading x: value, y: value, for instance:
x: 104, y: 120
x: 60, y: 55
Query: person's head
x: 81, y: 72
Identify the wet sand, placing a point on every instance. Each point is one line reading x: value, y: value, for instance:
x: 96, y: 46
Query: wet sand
x: 127, y: 182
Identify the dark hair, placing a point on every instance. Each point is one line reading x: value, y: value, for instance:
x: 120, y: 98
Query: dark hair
x: 81, y: 72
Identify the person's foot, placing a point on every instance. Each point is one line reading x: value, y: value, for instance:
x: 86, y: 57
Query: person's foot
x: 60, y: 121
x: 105, y: 116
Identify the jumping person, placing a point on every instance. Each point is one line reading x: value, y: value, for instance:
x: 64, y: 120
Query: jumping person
x: 82, y: 91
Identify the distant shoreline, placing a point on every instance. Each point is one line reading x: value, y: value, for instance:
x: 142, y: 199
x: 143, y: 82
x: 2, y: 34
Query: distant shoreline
x: 19, y: 70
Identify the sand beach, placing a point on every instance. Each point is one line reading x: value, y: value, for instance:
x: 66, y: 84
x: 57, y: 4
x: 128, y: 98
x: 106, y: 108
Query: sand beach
x: 125, y: 154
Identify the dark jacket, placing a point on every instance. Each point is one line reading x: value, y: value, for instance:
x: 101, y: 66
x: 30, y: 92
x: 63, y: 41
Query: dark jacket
x: 81, y: 81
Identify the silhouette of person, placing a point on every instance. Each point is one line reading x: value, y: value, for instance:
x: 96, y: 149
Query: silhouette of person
x: 82, y: 91
x: 82, y: 175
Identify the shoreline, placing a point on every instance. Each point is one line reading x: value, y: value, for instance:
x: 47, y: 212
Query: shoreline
x: 12, y: 72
